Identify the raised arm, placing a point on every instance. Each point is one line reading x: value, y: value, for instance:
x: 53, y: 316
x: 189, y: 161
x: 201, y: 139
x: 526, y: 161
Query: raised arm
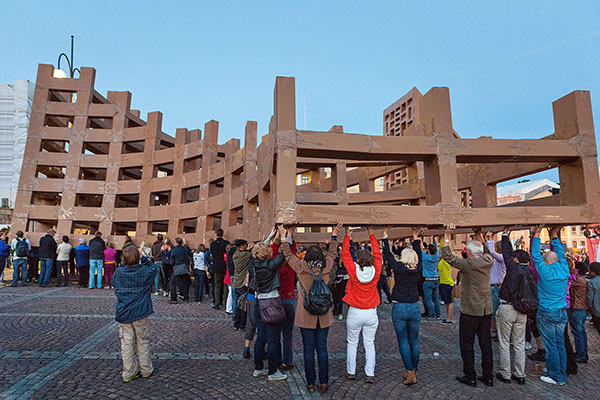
x: 507, y: 250
x: 377, y: 257
x: 332, y: 253
x: 459, y: 263
x: 536, y: 256
x: 291, y: 258
x: 490, y: 245
x: 346, y: 256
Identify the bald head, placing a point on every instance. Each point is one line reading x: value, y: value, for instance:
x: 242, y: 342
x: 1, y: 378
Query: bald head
x: 550, y: 257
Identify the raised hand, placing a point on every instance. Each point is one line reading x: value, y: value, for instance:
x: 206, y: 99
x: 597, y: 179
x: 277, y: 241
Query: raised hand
x: 506, y: 229
x: 554, y: 231
x: 336, y: 229
x: 386, y: 230
x: 371, y: 230
x: 416, y: 232
x: 281, y: 231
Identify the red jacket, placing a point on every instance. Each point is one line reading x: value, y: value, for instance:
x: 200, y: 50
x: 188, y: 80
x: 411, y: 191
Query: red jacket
x: 358, y: 294
x: 287, y: 276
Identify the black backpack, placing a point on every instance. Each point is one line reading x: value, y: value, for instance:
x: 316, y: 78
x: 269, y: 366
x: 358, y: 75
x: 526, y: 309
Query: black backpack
x: 318, y: 300
x: 21, y: 248
x: 527, y: 297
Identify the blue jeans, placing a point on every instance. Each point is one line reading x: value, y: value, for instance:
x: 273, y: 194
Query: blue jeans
x: 315, y: 339
x: 287, y: 329
x: 19, y: 264
x: 407, y: 318
x: 551, y: 324
x: 199, y: 278
x: 233, y: 300
x: 577, y: 322
x: 46, y: 265
x: 430, y: 291
x: 96, y: 267
x: 495, y: 299
x: 160, y: 272
x: 267, y: 334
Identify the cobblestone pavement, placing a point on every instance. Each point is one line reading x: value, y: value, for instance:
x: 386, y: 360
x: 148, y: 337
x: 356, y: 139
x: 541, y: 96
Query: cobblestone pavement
x: 62, y: 343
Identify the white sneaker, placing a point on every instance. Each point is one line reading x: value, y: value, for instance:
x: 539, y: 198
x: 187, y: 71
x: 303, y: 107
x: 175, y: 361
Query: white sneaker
x: 260, y: 372
x: 527, y: 346
x: 277, y: 376
x: 547, y: 379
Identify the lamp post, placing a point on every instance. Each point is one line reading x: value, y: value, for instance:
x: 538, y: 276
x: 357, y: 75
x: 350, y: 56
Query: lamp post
x: 59, y: 73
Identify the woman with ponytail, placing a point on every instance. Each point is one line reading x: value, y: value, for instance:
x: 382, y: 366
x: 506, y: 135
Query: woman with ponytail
x: 363, y: 298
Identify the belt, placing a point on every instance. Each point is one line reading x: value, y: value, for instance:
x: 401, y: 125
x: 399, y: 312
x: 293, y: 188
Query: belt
x: 505, y: 302
x: 432, y: 279
x: 496, y: 284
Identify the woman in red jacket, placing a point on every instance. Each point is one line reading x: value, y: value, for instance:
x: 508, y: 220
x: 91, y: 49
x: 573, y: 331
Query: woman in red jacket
x: 363, y: 298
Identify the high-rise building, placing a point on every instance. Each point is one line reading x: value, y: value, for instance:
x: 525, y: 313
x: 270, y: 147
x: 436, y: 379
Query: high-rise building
x: 15, y: 110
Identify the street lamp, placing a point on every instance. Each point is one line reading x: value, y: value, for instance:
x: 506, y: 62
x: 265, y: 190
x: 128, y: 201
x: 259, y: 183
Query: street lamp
x: 59, y: 73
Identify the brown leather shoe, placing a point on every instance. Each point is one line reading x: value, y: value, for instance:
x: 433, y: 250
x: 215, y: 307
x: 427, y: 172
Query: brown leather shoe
x: 323, y: 388
x: 310, y: 388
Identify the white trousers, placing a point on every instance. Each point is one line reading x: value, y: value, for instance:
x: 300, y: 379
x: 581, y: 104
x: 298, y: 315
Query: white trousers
x: 367, y: 321
x: 228, y: 305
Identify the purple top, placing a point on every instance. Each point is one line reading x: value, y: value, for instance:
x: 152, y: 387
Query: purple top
x: 498, y: 267
x: 110, y: 255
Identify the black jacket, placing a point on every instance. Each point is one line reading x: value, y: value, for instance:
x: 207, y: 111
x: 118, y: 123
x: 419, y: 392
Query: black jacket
x: 97, y: 247
x: 406, y: 286
x: 217, y: 250
x: 47, y: 247
x: 514, y: 273
x: 181, y: 255
x: 230, y: 266
x: 265, y: 273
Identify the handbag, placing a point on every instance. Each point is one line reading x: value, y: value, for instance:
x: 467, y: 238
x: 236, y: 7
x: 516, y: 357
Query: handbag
x: 180, y: 269
x: 242, y: 301
x: 271, y: 310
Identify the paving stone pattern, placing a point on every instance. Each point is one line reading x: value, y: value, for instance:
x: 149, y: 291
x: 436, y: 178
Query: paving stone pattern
x: 62, y: 343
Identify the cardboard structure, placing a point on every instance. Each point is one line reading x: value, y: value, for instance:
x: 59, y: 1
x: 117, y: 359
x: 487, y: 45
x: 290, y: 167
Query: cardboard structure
x: 92, y: 163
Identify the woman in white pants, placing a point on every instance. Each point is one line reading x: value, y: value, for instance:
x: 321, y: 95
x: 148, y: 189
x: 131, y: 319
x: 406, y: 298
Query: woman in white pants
x: 363, y: 298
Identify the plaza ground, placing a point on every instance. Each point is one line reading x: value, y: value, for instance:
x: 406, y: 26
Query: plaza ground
x: 62, y: 343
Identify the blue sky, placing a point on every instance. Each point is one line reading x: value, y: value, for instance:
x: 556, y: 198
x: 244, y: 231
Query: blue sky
x: 504, y: 62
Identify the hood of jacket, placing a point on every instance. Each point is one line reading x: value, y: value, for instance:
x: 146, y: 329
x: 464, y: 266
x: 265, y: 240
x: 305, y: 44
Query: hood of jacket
x: 365, y: 275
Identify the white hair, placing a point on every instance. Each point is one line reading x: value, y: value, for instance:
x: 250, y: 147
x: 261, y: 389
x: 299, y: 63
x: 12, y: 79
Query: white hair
x: 475, y: 247
x: 409, y: 257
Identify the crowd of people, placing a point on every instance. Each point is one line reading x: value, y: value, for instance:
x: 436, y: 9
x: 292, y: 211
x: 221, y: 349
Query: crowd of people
x: 268, y: 287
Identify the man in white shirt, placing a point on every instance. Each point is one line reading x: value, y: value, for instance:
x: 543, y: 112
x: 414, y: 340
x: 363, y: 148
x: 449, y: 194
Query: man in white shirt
x: 20, y: 247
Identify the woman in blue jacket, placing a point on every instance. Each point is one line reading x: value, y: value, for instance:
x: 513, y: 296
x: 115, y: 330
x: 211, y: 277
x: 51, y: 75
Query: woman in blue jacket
x: 82, y: 262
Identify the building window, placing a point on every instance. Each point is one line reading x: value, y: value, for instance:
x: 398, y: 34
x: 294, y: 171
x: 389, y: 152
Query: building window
x: 88, y: 200
x: 54, y: 146
x: 127, y: 200
x: 163, y: 170
x: 160, y: 198
x: 47, y: 171
x: 95, y: 148
x: 131, y: 173
x: 85, y: 227
x: 92, y: 174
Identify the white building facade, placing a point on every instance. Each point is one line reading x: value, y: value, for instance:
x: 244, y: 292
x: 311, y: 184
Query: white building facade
x: 15, y: 110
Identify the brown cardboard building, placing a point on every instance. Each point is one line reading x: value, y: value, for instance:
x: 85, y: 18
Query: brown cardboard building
x: 92, y: 163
